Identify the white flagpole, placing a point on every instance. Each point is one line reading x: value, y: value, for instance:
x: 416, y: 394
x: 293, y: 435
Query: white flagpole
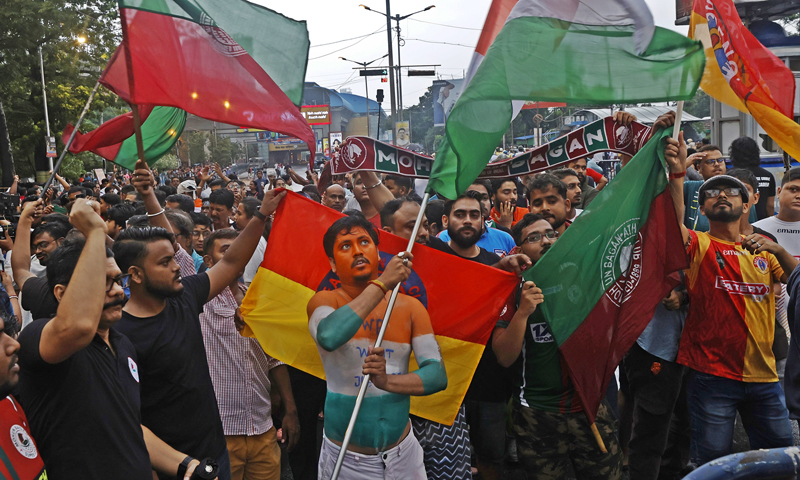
x: 677, y: 128
x: 363, y: 389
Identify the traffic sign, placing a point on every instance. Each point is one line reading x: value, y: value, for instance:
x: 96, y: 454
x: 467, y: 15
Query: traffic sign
x: 372, y: 73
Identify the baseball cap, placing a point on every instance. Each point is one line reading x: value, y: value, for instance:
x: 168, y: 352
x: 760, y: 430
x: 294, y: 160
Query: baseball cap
x: 723, y: 181
x: 187, y: 186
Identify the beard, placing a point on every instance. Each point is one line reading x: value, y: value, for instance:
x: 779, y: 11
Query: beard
x: 461, y: 240
x: 161, y: 291
x: 725, y: 216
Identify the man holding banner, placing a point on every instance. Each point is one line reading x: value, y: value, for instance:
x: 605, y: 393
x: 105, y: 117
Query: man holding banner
x: 344, y: 323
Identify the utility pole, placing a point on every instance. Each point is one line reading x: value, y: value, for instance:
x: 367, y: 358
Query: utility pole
x: 367, y: 73
x: 44, y: 96
x: 392, y: 96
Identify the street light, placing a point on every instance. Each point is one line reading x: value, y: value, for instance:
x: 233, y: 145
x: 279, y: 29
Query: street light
x: 366, y: 86
x: 397, y: 19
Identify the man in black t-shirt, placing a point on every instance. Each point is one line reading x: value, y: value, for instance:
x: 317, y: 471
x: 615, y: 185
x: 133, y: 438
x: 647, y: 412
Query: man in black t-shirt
x: 745, y: 154
x: 79, y: 377
x: 162, y: 321
x: 490, y: 389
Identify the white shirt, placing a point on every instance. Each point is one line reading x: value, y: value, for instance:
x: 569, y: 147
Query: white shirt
x: 578, y: 211
x: 255, y: 261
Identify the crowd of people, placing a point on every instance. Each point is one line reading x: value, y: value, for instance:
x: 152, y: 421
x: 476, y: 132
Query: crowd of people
x: 142, y: 373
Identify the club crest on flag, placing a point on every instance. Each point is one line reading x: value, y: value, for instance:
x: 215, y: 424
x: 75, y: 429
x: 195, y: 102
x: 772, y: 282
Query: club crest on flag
x: 761, y: 264
x: 354, y: 154
x: 225, y: 44
x: 622, y: 262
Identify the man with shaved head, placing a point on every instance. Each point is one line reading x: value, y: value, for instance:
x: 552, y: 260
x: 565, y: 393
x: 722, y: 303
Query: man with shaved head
x: 334, y: 197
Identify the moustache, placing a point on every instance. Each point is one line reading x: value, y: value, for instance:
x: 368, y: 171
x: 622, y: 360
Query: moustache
x: 464, y: 229
x: 120, y: 301
x: 14, y: 360
x: 722, y: 202
x: 359, y: 259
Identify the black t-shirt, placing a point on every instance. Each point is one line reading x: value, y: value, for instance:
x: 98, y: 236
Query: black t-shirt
x: 491, y: 382
x: 84, y: 411
x: 178, y: 402
x: 38, y: 298
x: 766, y: 188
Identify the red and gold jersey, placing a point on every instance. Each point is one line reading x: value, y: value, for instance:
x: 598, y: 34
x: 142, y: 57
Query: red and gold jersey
x: 731, y: 322
x: 18, y: 452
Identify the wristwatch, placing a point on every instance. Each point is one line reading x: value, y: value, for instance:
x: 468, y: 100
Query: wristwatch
x: 260, y: 215
x: 183, y: 466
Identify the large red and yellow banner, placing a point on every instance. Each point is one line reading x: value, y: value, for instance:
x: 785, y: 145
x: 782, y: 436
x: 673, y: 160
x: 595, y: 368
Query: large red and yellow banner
x: 743, y: 73
x: 464, y: 299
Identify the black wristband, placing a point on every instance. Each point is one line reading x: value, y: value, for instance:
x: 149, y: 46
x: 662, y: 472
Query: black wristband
x: 183, y: 466
x: 260, y: 215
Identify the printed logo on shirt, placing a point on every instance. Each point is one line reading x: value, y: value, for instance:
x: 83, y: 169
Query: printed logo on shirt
x: 22, y: 442
x: 761, y: 264
x: 134, y: 369
x: 732, y: 252
x: 788, y: 230
x: 742, y: 288
x: 540, y: 333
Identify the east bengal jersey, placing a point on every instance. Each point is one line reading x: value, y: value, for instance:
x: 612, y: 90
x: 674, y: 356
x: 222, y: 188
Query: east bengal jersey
x: 731, y: 322
x: 18, y: 452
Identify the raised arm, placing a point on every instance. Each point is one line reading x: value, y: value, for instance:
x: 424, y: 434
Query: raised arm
x: 333, y: 327
x: 21, y: 258
x: 235, y: 259
x: 296, y: 178
x: 144, y: 182
x: 379, y: 195
x: 81, y: 302
x: 12, y: 190
x: 62, y: 182
x: 220, y: 173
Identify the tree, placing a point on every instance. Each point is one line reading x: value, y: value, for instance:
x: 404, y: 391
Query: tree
x: 699, y: 106
x: 167, y: 162
x: 196, y: 145
x: 57, y: 26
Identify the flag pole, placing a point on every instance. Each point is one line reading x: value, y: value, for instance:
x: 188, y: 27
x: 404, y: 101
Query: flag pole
x: 137, y: 121
x: 71, y: 138
x: 363, y: 389
x: 598, y: 438
x: 677, y: 128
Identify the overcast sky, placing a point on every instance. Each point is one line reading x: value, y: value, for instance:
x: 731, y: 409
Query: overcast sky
x: 332, y: 21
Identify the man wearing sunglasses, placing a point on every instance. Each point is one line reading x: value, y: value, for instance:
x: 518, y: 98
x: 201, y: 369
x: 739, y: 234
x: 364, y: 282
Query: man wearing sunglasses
x: 552, y: 432
x: 728, y: 335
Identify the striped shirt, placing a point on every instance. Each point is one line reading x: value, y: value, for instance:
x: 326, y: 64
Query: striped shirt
x: 238, y: 368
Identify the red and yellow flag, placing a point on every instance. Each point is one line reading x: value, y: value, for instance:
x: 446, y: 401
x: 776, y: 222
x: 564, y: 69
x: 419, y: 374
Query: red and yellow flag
x: 464, y: 299
x: 744, y: 74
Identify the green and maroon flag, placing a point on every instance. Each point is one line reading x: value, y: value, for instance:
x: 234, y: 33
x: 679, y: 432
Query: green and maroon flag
x: 599, y: 302
x: 114, y: 140
x: 209, y: 58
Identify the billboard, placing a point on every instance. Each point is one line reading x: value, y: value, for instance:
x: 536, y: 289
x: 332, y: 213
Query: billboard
x: 317, y: 114
x: 444, y: 93
x: 403, y: 134
x: 336, y: 140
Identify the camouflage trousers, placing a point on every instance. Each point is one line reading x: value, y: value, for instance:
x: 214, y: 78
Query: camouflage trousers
x: 551, y: 445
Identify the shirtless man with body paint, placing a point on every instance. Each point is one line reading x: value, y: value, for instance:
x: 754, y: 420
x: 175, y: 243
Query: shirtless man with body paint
x: 344, y: 323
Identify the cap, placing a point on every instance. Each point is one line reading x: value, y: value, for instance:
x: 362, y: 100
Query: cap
x: 723, y: 181
x: 187, y: 186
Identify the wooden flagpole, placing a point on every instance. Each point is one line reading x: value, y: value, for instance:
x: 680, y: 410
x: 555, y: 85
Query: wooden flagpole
x: 363, y: 389
x: 137, y: 121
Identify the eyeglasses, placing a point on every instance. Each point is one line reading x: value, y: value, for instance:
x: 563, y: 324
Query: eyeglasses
x: 713, y: 161
x: 729, y: 192
x: 122, y: 280
x: 200, y: 233
x: 537, y: 237
x: 42, y: 245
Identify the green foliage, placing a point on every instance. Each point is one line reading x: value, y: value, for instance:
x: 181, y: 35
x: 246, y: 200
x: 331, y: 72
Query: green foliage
x: 699, y: 106
x: 222, y: 150
x: 196, y: 143
x: 791, y: 24
x: 167, y: 162
x: 56, y: 26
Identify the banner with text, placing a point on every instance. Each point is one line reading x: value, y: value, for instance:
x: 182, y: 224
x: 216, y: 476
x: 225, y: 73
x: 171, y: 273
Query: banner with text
x: 364, y: 153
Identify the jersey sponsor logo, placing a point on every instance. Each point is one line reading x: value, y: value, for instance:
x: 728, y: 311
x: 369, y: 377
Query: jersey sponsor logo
x: 788, y: 230
x: 134, y: 369
x: 621, y: 267
x: 742, y: 288
x: 732, y: 252
x: 761, y: 264
x: 540, y: 333
x: 22, y: 442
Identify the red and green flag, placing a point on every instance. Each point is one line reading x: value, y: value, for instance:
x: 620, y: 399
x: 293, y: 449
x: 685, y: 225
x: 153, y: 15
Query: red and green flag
x: 600, y: 52
x: 597, y: 303
x: 228, y: 61
x: 114, y: 140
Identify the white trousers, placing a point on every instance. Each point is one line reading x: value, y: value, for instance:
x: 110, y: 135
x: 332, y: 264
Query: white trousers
x: 403, y: 462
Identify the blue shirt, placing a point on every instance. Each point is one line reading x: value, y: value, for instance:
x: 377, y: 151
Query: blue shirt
x: 198, y: 261
x: 496, y: 241
x: 663, y: 334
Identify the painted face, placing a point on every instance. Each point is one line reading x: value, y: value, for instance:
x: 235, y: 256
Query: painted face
x: 549, y: 204
x: 355, y: 257
x: 535, y: 249
x: 486, y: 201
x: 712, y: 165
x: 506, y: 193
x: 579, y: 166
